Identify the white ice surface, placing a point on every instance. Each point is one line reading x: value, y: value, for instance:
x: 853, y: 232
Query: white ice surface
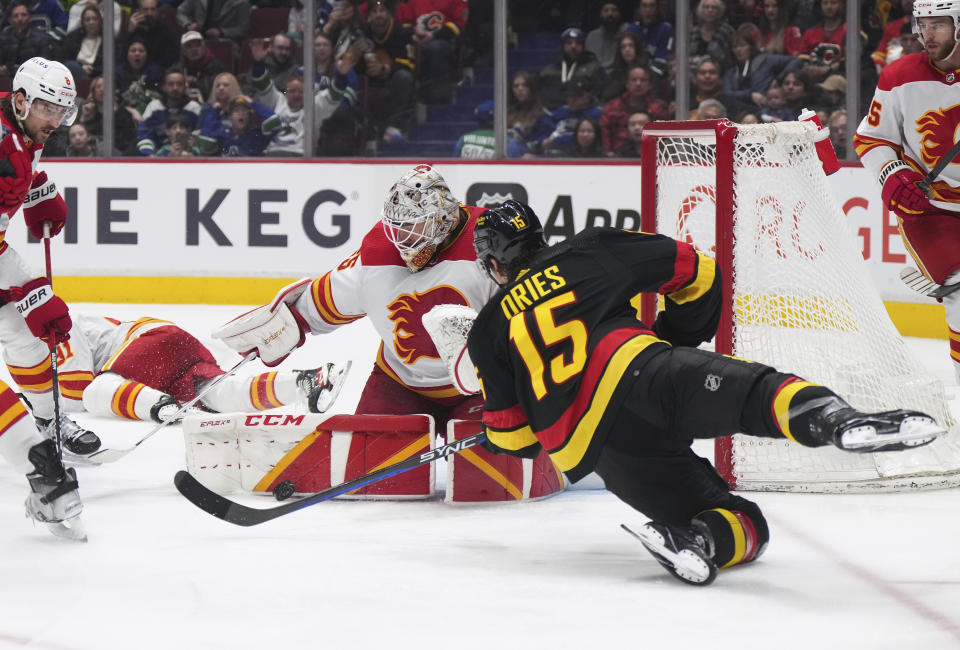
x: 851, y: 572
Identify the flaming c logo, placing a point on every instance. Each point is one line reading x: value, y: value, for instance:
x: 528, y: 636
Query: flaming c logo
x: 410, y: 340
x: 937, y: 131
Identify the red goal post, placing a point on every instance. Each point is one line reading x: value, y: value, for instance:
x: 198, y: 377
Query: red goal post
x: 797, y: 295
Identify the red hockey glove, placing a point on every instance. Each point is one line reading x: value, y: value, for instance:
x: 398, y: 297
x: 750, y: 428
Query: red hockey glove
x: 44, y: 204
x: 16, y: 172
x: 900, y: 192
x: 42, y: 310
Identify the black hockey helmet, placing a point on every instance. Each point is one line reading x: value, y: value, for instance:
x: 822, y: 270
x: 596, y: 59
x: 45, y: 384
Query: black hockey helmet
x: 507, y: 234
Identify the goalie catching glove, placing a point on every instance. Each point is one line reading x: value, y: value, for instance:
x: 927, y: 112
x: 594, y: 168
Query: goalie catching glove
x: 449, y: 326
x: 41, y: 309
x: 273, y: 331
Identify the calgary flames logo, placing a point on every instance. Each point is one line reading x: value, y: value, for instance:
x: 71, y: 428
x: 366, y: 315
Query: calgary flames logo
x: 410, y: 340
x: 937, y: 131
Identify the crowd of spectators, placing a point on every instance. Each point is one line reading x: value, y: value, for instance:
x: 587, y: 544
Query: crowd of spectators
x: 751, y: 61
x: 225, y: 77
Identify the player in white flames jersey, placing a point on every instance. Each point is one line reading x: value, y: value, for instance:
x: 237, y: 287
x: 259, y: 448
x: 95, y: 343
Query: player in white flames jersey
x: 910, y: 127
x: 146, y: 368
x: 418, y: 256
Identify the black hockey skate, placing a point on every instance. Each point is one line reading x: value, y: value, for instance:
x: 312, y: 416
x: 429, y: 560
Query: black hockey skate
x: 855, y: 431
x: 75, y: 439
x: 321, y: 386
x: 687, y: 553
x: 53, y: 499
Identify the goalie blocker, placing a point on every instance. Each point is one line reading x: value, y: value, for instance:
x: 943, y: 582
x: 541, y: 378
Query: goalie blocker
x: 256, y: 452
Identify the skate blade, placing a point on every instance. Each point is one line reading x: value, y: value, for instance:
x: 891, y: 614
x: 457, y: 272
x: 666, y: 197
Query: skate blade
x: 71, y: 459
x: 327, y: 397
x: 914, y: 431
x: 685, y: 565
x: 72, y: 529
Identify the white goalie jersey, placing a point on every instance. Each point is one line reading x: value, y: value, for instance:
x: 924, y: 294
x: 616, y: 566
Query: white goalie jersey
x: 375, y: 282
x: 914, y: 115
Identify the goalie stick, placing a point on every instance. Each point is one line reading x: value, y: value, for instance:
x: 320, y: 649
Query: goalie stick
x: 921, y: 284
x: 110, y: 455
x: 235, y: 513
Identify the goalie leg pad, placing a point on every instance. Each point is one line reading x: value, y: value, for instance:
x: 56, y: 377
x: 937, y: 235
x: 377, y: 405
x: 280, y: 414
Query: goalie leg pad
x: 477, y: 476
x: 257, y: 451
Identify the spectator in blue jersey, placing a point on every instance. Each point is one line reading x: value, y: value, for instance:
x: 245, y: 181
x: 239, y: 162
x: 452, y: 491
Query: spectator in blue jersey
x: 252, y: 127
x: 181, y: 143
x: 580, y: 103
x: 655, y: 33
x: 215, y: 114
x: 151, y: 134
x: 20, y: 41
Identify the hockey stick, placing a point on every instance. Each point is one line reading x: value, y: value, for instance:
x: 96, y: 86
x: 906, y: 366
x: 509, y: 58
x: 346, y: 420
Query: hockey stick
x: 220, y: 506
x: 921, y: 284
x: 54, y: 374
x: 927, y: 181
x: 110, y: 455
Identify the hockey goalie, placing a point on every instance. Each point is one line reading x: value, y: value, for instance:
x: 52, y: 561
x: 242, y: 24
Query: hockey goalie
x: 419, y: 255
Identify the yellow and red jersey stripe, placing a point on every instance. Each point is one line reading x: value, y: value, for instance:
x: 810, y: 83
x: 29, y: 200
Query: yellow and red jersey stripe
x: 125, y: 399
x: 33, y: 379
x: 263, y: 393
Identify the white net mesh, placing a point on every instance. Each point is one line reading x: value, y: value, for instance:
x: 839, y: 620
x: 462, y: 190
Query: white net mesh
x: 804, y: 302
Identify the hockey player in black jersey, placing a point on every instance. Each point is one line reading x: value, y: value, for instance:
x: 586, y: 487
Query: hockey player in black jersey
x: 565, y: 363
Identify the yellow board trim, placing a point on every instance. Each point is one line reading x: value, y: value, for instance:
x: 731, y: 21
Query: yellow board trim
x: 169, y: 290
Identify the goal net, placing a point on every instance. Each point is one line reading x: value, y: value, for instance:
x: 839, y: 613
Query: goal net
x: 797, y: 295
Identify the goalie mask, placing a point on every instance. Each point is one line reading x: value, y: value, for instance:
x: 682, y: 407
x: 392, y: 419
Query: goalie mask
x: 419, y: 214
x: 507, y: 234
x: 51, y: 83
